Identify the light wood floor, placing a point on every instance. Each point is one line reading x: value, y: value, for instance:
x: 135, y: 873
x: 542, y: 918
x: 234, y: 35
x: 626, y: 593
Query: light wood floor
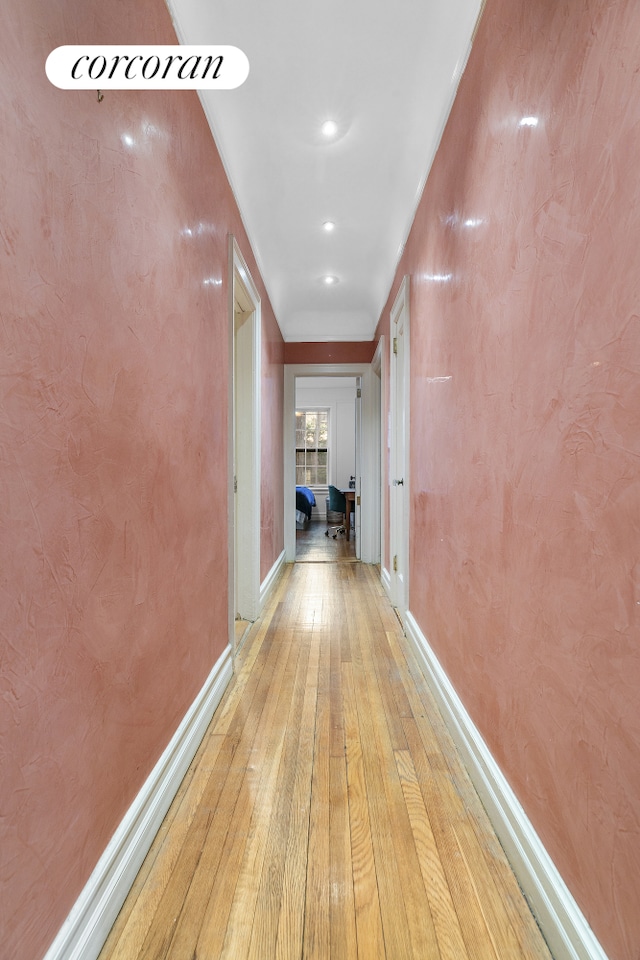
x: 313, y: 546
x: 326, y: 813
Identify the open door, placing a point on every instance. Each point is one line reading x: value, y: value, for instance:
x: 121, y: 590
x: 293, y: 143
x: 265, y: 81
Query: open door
x: 245, y: 435
x: 368, y: 469
x: 378, y: 439
x: 358, y: 431
x: 399, y: 458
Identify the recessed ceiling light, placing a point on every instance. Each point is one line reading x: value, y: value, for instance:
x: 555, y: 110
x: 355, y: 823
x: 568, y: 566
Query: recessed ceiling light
x: 329, y: 280
x: 528, y: 122
x: 329, y: 128
x: 329, y: 225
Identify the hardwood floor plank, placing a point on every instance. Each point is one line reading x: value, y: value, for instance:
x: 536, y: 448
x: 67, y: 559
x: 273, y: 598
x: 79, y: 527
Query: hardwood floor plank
x: 395, y: 923
x: 312, y: 546
x: 207, y: 830
x: 327, y: 813
x: 220, y: 892
x: 317, y: 944
x: 337, y: 630
x: 132, y: 926
x: 291, y: 922
x: 239, y: 928
x: 265, y: 926
x: 217, y: 854
x: 138, y: 912
x: 450, y: 942
x: 434, y: 788
x: 370, y: 937
x: 240, y: 923
x: 443, y: 756
x: 219, y: 888
x: 342, y: 916
x: 387, y: 731
x: 532, y: 947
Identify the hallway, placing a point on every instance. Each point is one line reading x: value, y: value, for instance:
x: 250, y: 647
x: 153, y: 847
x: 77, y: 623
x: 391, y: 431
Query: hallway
x: 326, y: 813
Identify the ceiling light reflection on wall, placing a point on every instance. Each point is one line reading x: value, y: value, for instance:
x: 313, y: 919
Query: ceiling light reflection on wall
x: 198, y: 230
x: 328, y: 226
x: 528, y: 122
x: 437, y: 277
x: 329, y: 281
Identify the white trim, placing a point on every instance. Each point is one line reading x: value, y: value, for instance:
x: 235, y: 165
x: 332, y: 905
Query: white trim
x: 270, y: 580
x: 244, y: 444
x: 369, y: 476
x: 85, y: 930
x: 385, y: 577
x: 378, y: 398
x: 563, y: 924
x: 400, y: 441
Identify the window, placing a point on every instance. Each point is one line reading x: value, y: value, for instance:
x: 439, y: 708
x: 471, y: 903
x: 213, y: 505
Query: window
x: 312, y: 442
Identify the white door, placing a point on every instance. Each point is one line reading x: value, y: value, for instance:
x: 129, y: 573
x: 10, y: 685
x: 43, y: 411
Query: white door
x: 399, y: 453
x: 241, y: 453
x: 377, y: 441
x: 358, y: 467
x: 245, y: 437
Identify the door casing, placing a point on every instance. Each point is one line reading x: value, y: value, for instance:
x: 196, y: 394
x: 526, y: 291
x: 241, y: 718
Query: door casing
x: 399, y: 461
x: 370, y: 469
x: 244, y: 441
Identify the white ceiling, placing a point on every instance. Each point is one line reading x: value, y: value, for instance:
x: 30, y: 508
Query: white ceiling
x: 386, y: 72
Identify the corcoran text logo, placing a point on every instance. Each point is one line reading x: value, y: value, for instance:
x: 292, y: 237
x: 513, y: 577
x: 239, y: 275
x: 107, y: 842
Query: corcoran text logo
x: 147, y: 67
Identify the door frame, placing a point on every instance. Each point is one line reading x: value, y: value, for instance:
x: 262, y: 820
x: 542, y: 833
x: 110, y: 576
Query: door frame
x: 370, y: 428
x: 245, y: 450
x: 357, y: 506
x: 379, y: 400
x: 399, y: 458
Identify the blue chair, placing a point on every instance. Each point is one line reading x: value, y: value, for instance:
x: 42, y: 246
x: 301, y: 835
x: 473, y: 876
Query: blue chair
x: 337, y: 504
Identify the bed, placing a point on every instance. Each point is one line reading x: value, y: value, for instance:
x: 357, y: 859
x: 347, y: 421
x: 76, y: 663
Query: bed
x: 305, y: 502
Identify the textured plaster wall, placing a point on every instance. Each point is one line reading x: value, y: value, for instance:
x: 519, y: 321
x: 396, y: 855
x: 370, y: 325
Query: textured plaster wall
x: 353, y: 351
x: 113, y: 445
x: 525, y: 427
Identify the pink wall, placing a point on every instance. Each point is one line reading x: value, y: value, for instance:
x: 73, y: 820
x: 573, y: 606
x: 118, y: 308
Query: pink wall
x: 351, y: 351
x: 525, y: 426
x: 113, y: 440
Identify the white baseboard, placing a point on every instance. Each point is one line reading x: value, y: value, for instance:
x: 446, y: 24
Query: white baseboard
x: 270, y: 580
x: 564, y: 926
x: 85, y: 930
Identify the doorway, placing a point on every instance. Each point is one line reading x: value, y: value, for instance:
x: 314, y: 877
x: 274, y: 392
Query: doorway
x: 244, y: 512
x: 378, y: 440
x: 326, y: 444
x: 368, y: 472
x: 399, y: 451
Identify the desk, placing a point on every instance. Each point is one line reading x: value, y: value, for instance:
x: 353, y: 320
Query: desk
x: 350, y: 496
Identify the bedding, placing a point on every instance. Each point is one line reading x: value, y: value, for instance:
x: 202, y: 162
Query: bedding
x: 305, y: 502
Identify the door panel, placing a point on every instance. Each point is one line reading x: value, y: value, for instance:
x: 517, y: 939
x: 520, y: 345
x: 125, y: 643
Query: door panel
x: 399, y: 460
